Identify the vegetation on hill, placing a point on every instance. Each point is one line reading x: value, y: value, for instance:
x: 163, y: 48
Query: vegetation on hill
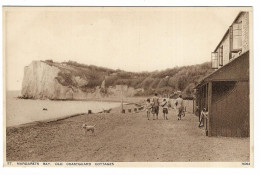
x: 164, y: 82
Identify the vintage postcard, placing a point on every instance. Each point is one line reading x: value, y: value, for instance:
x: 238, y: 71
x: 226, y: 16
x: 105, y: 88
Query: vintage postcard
x: 128, y: 86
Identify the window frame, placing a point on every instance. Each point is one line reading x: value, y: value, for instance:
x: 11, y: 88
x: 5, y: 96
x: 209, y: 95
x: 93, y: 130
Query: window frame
x: 231, y: 38
x: 216, y: 59
x: 220, y: 55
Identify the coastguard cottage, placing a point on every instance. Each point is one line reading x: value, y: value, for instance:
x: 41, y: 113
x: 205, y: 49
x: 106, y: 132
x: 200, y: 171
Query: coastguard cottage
x: 225, y: 92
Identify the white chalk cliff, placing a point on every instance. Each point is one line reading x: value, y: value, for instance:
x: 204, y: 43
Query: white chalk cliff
x: 56, y: 81
x: 40, y: 82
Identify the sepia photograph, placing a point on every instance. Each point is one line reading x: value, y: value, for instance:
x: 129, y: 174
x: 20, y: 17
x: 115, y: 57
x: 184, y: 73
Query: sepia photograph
x: 128, y: 86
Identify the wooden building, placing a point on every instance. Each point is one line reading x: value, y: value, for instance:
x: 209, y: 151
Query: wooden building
x: 225, y: 92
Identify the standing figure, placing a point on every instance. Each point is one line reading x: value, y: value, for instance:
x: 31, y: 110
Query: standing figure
x: 203, y: 114
x: 179, y: 106
x: 148, y: 108
x: 155, y: 106
x: 165, y: 109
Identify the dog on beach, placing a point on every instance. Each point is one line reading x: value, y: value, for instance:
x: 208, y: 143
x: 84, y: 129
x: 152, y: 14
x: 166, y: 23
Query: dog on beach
x: 88, y: 128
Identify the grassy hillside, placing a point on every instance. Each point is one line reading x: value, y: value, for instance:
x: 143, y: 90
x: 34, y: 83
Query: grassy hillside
x: 176, y: 79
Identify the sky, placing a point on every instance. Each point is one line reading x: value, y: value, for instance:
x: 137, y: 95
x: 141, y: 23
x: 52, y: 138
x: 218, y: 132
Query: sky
x: 128, y: 38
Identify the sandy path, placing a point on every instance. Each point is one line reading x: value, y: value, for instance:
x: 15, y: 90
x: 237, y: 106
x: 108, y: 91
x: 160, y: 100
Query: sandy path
x: 123, y: 137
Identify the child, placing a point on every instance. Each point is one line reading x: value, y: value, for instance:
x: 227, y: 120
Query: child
x: 203, y: 115
x: 148, y: 108
x: 165, y: 109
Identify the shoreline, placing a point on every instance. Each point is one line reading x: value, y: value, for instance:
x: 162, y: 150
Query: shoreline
x: 24, y: 112
x: 125, y: 100
x: 34, y: 123
x: 46, y: 121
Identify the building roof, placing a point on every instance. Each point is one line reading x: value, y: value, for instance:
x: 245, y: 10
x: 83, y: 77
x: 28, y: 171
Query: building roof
x: 226, y: 33
x: 236, y: 69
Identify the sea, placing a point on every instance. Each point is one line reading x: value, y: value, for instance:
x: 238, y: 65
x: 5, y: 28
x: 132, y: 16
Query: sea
x: 22, y: 111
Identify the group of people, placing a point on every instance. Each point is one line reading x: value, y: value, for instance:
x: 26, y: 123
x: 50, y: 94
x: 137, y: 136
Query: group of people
x: 153, y: 104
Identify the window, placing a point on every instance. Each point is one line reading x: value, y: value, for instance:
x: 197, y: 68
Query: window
x: 214, y: 60
x: 220, y: 55
x: 237, y: 36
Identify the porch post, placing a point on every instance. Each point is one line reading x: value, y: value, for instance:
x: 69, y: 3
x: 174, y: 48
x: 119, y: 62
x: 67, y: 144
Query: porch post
x: 209, y: 107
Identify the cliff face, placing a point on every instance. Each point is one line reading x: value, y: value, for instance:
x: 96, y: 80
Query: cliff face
x: 40, y: 82
x: 44, y: 80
